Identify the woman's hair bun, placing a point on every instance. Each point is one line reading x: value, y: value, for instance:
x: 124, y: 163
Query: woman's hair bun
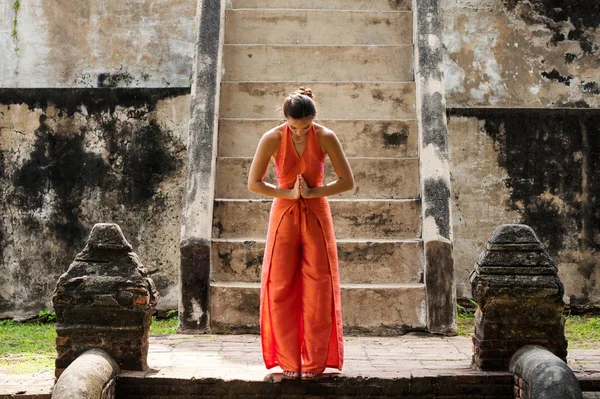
x: 300, y: 104
x: 306, y: 91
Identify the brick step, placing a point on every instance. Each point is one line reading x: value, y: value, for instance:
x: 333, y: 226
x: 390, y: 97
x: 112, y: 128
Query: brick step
x: 336, y: 100
x: 430, y: 382
x: 375, y: 178
x: 352, y: 219
x: 367, y: 309
x: 360, y: 138
x: 360, y: 262
x: 264, y: 26
x: 381, y: 5
x: 317, y: 63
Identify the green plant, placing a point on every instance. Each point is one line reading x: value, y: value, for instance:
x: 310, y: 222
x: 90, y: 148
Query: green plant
x: 47, y: 316
x: 16, y: 7
x: 14, y: 33
x: 171, y: 313
x: 461, y: 310
x: 7, y: 323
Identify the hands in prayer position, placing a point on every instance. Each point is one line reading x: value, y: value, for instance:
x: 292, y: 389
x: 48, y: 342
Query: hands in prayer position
x: 300, y: 189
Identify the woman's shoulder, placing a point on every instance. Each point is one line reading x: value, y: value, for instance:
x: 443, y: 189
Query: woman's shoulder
x: 322, y: 130
x: 324, y: 134
x: 272, y: 138
x: 274, y: 135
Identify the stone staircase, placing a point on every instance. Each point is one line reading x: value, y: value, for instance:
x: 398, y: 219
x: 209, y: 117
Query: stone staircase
x: 357, y: 56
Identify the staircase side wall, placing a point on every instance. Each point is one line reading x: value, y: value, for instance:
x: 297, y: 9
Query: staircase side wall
x: 196, y: 228
x: 434, y: 169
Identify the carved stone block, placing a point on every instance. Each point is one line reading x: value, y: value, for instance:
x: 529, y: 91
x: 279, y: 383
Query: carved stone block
x: 105, y: 300
x: 519, y: 296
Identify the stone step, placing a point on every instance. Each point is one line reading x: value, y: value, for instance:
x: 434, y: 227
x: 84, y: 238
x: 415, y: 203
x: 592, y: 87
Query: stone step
x: 360, y: 262
x: 335, y: 100
x: 382, y: 5
x: 264, y: 26
x: 375, y: 178
x: 227, y: 369
x: 352, y: 219
x: 380, y: 310
x: 317, y: 63
x: 360, y: 138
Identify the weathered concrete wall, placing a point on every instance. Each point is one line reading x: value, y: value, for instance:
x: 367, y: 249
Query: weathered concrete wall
x: 537, y: 167
x: 522, y: 53
x: 131, y: 43
x: 70, y: 158
x: 527, y: 165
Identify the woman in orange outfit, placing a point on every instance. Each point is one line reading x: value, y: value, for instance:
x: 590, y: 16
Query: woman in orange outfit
x: 300, y: 309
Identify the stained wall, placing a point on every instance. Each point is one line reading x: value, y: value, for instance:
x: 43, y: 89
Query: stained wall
x: 71, y: 158
x: 522, y: 82
x: 94, y: 114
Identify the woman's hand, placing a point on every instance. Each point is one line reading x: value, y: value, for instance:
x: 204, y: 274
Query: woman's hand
x: 296, y: 192
x: 305, y: 191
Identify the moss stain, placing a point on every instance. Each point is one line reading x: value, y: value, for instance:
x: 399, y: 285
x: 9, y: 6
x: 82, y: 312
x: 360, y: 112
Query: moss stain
x: 14, y: 32
x: 544, y: 155
x: 140, y: 156
x: 59, y: 163
x: 583, y: 16
x: 395, y: 139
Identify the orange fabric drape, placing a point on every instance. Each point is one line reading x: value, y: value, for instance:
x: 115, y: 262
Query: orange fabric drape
x: 300, y: 304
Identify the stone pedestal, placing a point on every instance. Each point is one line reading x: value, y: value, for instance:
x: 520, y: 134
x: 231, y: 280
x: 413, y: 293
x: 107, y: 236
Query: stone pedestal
x: 105, y: 300
x: 520, y: 299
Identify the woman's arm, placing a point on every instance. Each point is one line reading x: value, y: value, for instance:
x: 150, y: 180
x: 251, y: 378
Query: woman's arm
x: 266, y: 148
x: 345, y: 182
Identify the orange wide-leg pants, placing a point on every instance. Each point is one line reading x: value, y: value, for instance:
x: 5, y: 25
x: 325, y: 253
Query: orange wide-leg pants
x: 300, y: 292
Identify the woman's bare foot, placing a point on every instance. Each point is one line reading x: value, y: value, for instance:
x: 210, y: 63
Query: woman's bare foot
x: 291, y: 374
x: 309, y: 376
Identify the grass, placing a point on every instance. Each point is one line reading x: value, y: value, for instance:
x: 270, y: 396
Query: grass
x: 30, y: 347
x: 26, y: 348
x: 583, y: 332
x: 163, y: 326
x: 466, y: 323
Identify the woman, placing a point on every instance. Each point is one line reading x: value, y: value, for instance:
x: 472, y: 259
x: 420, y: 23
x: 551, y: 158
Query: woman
x: 300, y: 309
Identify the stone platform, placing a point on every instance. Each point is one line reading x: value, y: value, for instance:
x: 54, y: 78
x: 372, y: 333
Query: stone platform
x: 413, y: 365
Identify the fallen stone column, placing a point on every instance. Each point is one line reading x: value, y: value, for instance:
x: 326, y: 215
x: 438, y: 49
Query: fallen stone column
x: 539, y: 374
x: 519, y: 296
x: 93, y: 375
x: 105, y: 300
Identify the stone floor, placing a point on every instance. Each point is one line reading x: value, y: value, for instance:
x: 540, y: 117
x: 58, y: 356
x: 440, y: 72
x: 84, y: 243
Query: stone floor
x: 239, y: 357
